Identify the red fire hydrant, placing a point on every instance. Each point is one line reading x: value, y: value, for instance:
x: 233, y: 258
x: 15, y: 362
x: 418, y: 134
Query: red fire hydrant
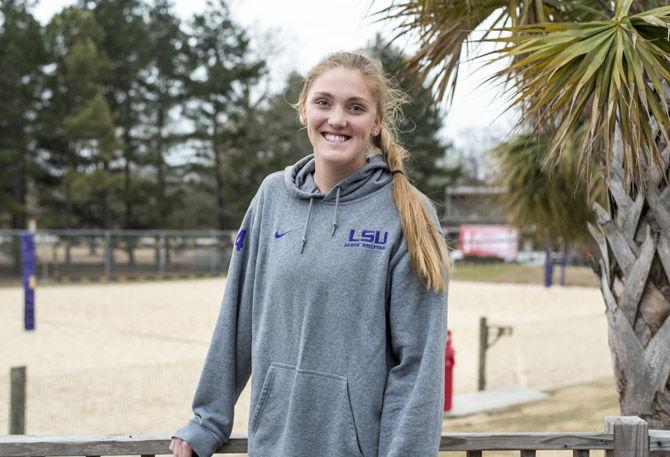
x: 449, y: 362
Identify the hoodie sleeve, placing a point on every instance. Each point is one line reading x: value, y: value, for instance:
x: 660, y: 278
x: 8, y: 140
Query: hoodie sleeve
x: 412, y: 412
x: 228, y: 363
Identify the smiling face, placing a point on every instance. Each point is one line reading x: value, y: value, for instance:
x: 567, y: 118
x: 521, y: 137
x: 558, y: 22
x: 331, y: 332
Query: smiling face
x: 340, y: 114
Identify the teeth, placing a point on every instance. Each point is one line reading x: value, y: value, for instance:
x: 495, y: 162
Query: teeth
x: 335, y: 138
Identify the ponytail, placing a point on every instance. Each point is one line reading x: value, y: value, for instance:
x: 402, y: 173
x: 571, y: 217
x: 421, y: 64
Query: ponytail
x: 425, y: 243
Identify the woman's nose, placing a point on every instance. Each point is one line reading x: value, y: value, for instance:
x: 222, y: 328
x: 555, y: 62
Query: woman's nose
x: 338, y: 118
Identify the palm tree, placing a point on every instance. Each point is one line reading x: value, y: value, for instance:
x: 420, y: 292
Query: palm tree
x: 555, y: 201
x: 604, y: 66
x: 551, y: 204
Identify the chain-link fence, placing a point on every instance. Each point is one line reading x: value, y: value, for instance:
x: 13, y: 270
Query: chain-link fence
x: 109, y: 255
x: 126, y: 255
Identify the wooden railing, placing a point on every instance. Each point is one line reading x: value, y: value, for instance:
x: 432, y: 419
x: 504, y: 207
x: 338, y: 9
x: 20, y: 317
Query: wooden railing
x: 623, y: 437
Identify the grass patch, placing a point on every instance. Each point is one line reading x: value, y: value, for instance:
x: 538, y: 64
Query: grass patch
x: 577, y: 408
x: 521, y: 274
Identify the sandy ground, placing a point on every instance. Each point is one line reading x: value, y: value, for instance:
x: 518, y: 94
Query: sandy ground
x: 125, y: 358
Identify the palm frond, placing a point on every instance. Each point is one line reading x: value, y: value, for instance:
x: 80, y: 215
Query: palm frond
x: 442, y: 29
x: 601, y: 73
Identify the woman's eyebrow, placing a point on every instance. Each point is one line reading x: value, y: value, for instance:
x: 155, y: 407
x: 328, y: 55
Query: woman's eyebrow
x: 329, y: 95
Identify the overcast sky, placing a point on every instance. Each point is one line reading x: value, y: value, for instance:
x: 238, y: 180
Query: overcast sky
x: 305, y: 30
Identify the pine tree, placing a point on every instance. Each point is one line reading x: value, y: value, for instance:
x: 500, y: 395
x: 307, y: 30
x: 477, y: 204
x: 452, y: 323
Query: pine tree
x: 164, y: 85
x: 219, y: 104
x: 76, y: 128
x: 22, y: 56
x: 125, y: 35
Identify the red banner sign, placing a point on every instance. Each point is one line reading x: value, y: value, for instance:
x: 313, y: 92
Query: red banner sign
x: 489, y: 241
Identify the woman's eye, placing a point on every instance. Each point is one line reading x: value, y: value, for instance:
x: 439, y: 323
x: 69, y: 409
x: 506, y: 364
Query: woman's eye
x: 358, y: 108
x: 321, y: 102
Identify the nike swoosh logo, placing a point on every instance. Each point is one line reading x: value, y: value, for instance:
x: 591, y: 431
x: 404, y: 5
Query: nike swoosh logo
x: 279, y: 235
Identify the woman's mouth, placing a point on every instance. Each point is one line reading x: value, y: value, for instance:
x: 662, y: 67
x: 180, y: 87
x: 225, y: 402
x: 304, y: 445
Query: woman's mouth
x: 336, y: 139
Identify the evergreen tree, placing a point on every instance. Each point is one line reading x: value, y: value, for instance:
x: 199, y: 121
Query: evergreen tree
x: 89, y: 124
x: 219, y: 104
x: 22, y: 55
x: 76, y: 132
x: 125, y: 36
x: 124, y: 42
x: 164, y: 86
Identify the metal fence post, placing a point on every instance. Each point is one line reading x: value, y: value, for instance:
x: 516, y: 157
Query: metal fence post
x: 162, y: 256
x: 166, y: 253
x: 631, y: 436
x: 108, y: 255
x: 17, y: 395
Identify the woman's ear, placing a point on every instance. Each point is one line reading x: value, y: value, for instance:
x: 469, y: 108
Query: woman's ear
x: 301, y: 117
x: 376, y: 127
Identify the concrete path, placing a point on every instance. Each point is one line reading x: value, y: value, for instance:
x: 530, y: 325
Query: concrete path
x: 487, y: 400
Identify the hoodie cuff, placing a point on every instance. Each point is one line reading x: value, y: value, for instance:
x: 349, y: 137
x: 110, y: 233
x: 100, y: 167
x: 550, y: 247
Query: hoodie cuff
x: 202, y: 441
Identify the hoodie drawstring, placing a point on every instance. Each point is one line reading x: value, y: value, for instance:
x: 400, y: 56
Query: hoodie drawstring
x: 337, y: 202
x: 309, y: 212
x: 304, y: 234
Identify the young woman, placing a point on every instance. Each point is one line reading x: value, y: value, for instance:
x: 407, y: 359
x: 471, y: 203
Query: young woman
x: 336, y: 293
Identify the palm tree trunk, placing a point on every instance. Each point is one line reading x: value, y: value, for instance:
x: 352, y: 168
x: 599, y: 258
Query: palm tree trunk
x: 633, y: 236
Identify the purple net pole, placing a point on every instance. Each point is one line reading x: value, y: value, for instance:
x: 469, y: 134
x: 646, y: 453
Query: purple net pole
x: 548, y: 269
x: 29, y: 279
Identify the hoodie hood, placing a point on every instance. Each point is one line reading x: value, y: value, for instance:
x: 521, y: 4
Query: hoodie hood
x: 299, y: 180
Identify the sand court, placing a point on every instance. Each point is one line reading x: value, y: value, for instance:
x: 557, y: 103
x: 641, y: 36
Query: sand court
x: 125, y: 358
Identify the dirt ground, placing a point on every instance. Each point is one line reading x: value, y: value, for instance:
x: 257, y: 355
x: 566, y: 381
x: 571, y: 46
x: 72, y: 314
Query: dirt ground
x: 125, y: 358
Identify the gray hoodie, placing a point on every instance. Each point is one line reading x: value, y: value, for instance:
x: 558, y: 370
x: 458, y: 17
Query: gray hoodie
x: 323, y: 306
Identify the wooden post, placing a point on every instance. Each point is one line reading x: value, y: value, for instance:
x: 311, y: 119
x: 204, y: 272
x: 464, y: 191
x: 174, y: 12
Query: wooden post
x: 17, y: 395
x: 483, y: 345
x: 631, y: 436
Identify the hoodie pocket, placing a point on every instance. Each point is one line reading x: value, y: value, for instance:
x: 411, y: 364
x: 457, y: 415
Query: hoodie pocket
x: 303, y: 413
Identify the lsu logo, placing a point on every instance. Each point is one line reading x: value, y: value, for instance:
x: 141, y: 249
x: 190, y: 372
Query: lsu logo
x: 369, y: 239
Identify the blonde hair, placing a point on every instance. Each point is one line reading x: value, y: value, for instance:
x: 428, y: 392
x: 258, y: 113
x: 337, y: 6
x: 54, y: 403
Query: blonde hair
x: 425, y: 243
